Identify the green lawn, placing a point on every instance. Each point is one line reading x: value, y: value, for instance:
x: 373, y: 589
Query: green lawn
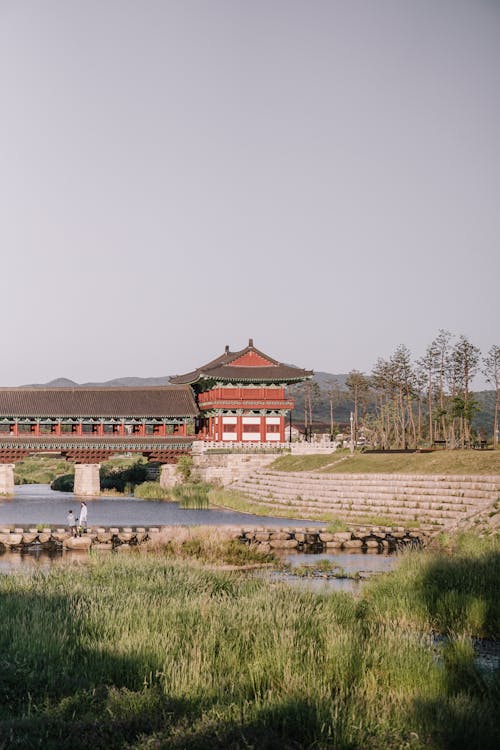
x: 437, y: 462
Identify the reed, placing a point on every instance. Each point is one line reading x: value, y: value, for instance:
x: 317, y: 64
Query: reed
x: 143, y: 652
x: 192, y: 495
x: 151, y: 491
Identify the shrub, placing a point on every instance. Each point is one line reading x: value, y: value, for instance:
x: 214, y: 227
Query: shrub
x: 64, y: 483
x: 184, y: 467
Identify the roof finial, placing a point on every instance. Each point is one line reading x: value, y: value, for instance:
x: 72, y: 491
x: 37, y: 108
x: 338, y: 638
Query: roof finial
x: 227, y: 349
x: 250, y: 342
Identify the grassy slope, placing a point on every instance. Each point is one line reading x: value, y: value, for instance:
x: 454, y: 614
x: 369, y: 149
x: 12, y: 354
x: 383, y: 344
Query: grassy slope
x: 437, y: 462
x: 141, y: 652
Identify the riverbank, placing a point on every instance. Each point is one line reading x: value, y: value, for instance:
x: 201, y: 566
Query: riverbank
x: 144, y: 651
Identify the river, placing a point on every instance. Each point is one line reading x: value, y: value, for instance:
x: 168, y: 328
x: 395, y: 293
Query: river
x: 35, y: 504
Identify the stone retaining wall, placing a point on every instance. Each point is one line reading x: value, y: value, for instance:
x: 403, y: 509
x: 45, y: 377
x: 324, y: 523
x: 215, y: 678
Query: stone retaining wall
x: 96, y: 538
x: 362, y: 538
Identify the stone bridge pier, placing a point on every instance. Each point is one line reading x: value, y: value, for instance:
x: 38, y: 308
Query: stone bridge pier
x: 87, y: 482
x: 7, y: 479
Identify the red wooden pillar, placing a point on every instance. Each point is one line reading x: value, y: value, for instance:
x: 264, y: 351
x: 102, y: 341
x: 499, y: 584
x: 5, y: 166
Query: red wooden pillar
x: 100, y: 428
x: 239, y: 429
x: 37, y: 428
x: 79, y: 429
x: 15, y: 429
x: 262, y: 429
x: 57, y: 428
x: 282, y: 429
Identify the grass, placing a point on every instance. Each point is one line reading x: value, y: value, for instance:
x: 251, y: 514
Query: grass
x: 152, y: 491
x: 437, y: 462
x: 141, y: 652
x: 450, y: 593
x: 192, y: 495
x: 208, y: 545
x: 41, y: 469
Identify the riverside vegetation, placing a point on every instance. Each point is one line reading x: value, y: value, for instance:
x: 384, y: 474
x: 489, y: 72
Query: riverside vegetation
x: 149, y: 651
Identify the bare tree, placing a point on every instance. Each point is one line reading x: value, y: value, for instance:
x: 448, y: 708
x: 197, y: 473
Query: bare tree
x: 491, y: 370
x: 358, y: 385
x: 334, y: 394
x: 441, y: 345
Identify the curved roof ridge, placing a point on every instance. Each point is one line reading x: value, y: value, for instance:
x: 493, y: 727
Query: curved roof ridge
x: 221, y: 368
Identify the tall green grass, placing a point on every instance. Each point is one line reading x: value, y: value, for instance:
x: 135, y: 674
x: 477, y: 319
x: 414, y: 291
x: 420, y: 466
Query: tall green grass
x: 142, y: 652
x: 449, y: 593
x: 151, y: 491
x: 192, y: 495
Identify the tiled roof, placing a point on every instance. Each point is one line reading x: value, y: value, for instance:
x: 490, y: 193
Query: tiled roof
x: 164, y: 401
x: 222, y: 368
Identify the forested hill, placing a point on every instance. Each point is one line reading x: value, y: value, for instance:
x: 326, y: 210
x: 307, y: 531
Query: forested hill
x: 327, y: 385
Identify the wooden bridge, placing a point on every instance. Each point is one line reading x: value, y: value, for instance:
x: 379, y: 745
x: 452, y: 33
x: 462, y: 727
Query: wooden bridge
x: 89, y: 425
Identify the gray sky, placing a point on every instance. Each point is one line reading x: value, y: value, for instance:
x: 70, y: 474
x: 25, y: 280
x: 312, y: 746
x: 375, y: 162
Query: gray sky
x: 177, y: 176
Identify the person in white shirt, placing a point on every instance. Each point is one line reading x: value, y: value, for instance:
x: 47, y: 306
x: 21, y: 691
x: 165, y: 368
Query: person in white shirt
x: 83, y: 517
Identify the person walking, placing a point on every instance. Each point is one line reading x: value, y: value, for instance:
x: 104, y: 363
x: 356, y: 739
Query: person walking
x: 83, y: 517
x: 72, y: 523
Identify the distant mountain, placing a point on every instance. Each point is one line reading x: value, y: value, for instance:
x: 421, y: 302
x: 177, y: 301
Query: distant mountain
x: 131, y: 382
x: 325, y: 379
x: 56, y: 383
x: 116, y: 382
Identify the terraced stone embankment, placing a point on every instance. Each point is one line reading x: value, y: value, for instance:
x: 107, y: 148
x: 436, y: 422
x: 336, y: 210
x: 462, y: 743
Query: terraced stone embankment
x: 432, y: 500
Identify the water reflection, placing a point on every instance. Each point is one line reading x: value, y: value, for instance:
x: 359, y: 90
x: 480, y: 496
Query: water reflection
x: 351, y: 562
x: 39, y: 559
x: 35, y: 504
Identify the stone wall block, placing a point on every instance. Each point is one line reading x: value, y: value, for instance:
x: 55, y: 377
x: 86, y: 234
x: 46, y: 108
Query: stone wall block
x: 78, y: 543
x: 325, y: 536
x: 284, y: 543
x: 352, y: 544
x: 60, y: 535
x: 29, y: 538
x: 262, y: 536
x: 11, y: 540
x: 280, y: 535
x: 342, y: 536
x: 125, y: 538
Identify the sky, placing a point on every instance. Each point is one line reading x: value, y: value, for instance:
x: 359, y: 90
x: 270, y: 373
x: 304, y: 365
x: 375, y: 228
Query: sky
x: 175, y: 176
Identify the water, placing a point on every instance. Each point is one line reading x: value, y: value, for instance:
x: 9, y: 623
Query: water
x: 365, y: 564
x: 35, y: 504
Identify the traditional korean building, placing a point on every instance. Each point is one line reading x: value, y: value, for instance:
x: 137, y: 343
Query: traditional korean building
x: 83, y: 411
x: 241, y: 395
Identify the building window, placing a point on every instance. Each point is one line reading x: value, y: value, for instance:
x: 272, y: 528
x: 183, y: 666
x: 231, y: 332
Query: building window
x: 272, y: 428
x: 251, y: 427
